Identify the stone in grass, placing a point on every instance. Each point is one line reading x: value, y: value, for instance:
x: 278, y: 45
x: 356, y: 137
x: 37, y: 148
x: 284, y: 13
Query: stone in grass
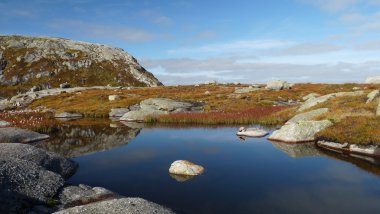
x: 4, y: 123
x: 251, y: 132
x: 114, y: 97
x: 67, y: 115
x: 184, y: 167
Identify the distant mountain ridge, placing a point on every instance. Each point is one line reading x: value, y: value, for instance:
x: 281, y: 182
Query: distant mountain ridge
x: 47, y: 62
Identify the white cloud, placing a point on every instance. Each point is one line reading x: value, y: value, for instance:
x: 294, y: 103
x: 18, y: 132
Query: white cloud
x: 310, y: 48
x: 156, y: 17
x: 124, y: 33
x: 233, y: 47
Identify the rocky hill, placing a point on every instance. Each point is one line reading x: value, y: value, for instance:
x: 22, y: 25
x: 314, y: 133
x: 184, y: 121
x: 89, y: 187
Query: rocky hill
x: 47, y: 62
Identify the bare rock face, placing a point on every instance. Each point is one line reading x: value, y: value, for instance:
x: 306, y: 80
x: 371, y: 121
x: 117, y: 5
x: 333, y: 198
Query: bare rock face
x: 308, y: 115
x: 51, y: 61
x: 302, y: 131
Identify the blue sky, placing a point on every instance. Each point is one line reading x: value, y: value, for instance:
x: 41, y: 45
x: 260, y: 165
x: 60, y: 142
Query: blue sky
x: 250, y: 41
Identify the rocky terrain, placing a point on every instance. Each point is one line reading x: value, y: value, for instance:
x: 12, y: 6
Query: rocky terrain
x: 40, y: 63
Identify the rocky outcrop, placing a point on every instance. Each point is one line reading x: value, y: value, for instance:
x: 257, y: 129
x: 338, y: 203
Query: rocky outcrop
x: 303, y: 131
x: 29, y: 175
x: 40, y: 157
x: 118, y: 112
x: 49, y: 62
x: 251, y: 132
x: 117, y: 206
x: 372, y: 95
x: 366, y: 150
x: 17, y: 135
x: 278, y: 85
x: 160, y: 106
x: 310, y: 96
x: 247, y: 90
x: 313, y: 102
x: 183, y: 167
x: 22, y: 100
x: 306, y: 116
x: 373, y: 80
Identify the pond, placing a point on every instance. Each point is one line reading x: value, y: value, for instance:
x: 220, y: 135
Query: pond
x: 242, y: 176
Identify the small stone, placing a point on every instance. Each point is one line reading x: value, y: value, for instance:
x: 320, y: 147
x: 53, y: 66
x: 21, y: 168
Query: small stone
x: 64, y: 85
x: 67, y: 115
x: 114, y: 97
x: 251, y: 132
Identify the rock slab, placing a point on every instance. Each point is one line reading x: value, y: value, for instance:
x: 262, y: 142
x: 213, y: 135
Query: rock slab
x: 17, y: 135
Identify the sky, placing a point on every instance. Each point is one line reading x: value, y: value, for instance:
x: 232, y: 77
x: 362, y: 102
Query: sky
x: 247, y: 41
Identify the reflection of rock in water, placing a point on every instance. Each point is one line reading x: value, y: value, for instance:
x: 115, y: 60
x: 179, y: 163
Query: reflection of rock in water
x: 76, y: 140
x: 298, y: 150
x: 181, y: 178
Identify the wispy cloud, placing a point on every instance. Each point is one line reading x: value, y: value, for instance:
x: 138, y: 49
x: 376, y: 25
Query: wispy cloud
x: 310, y: 48
x: 118, y: 32
x: 234, y: 46
x: 156, y: 17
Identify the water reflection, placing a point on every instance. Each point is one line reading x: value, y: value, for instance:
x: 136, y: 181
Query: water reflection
x: 78, y: 140
x: 257, y: 176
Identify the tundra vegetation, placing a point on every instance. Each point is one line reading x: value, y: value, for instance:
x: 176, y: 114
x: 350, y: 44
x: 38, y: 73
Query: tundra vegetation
x: 354, y: 119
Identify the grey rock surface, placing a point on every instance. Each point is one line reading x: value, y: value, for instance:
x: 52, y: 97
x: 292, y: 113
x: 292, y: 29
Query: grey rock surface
x: 17, y: 135
x: 308, y: 115
x: 313, y: 102
x: 160, y: 106
x: 40, y: 157
x: 372, y: 95
x: 23, y: 183
x: 310, y: 96
x: 117, y: 206
x: 118, y: 112
x: 303, y: 131
x: 4, y: 123
x: 67, y: 115
x: 278, y: 85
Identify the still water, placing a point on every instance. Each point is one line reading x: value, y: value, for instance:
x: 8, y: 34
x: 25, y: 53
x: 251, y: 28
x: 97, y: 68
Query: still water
x: 250, y: 176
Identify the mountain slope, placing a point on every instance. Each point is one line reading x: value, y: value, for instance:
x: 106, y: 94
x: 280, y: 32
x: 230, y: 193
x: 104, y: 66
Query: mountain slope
x: 47, y: 62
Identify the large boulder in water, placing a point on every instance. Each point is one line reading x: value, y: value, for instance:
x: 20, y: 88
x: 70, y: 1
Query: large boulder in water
x: 303, y: 131
x: 17, y: 135
x: 183, y: 167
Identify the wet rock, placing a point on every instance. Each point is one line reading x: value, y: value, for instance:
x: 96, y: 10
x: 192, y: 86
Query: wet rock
x: 313, y: 102
x: 67, y: 115
x: 114, y: 97
x: 278, y: 85
x: 17, y: 135
x: 372, y: 95
x: 40, y: 157
x: 302, y: 131
x: 246, y: 90
x: 308, y: 115
x: 183, y: 167
x: 366, y: 150
x: 117, y: 206
x: 251, y: 132
x: 118, y: 112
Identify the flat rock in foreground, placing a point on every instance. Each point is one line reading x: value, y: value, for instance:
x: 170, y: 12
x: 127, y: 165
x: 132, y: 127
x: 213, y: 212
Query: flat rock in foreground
x: 23, y: 182
x: 303, y: 131
x: 117, y: 206
x: 17, y: 135
x: 40, y: 157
